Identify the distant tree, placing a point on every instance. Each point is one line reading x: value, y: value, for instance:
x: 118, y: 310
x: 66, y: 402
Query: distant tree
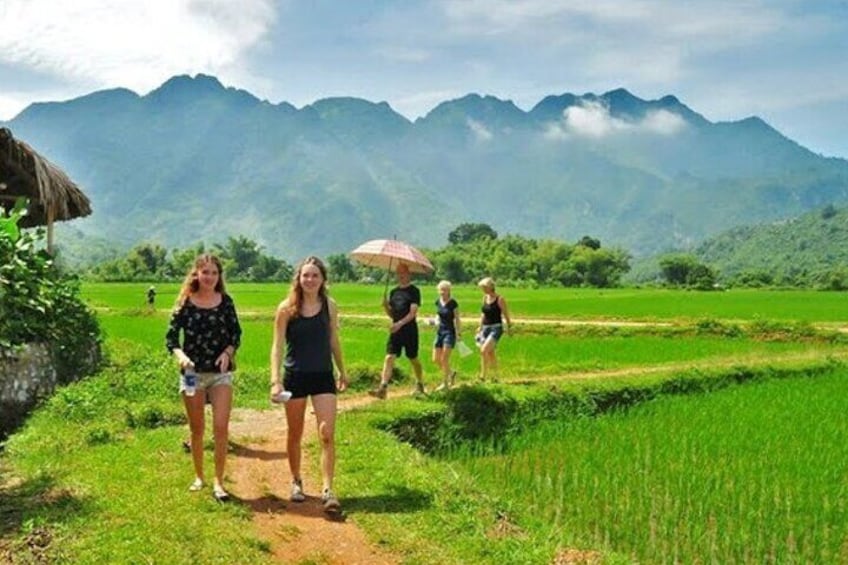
x: 754, y: 278
x: 238, y: 254
x: 341, y: 268
x: 183, y: 259
x: 468, y: 232
x: 702, y: 277
x: 451, y: 266
x: 589, y: 242
x: 686, y: 270
x: 146, y: 260
x: 828, y: 212
x: 269, y: 268
x: 590, y: 267
x: 676, y: 268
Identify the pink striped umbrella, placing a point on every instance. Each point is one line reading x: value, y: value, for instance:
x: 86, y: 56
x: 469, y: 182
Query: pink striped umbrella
x: 389, y: 253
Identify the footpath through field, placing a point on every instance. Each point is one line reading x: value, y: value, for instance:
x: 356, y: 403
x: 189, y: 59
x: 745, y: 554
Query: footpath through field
x: 259, y: 474
x: 301, y: 532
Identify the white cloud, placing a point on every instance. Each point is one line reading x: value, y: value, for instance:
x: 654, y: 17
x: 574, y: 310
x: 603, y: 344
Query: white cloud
x: 480, y: 131
x: 10, y: 106
x: 129, y: 43
x: 593, y: 120
x: 662, y: 122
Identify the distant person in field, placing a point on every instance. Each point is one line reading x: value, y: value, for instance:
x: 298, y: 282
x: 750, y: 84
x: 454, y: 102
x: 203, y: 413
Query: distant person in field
x: 447, y: 333
x: 306, y: 328
x: 493, y: 322
x: 402, y: 307
x: 206, y: 316
x: 151, y: 297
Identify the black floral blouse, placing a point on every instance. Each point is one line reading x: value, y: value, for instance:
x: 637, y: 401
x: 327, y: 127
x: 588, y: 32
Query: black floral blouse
x: 206, y: 333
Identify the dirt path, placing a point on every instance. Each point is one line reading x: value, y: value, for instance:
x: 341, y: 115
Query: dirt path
x: 302, y: 532
x: 259, y: 477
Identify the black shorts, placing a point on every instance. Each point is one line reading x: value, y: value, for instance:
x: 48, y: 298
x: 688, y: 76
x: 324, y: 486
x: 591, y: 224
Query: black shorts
x: 406, y: 338
x: 302, y: 384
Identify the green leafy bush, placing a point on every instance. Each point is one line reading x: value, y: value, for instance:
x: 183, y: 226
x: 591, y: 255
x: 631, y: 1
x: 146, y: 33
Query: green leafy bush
x: 40, y: 304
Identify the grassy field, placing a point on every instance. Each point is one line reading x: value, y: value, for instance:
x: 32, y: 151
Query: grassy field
x: 749, y: 474
x: 530, y: 353
x: 578, y: 304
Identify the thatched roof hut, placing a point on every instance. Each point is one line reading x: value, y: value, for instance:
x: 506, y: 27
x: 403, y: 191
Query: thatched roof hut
x: 52, y: 195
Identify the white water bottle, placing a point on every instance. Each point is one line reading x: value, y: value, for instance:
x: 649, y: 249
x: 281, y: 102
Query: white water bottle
x: 189, y: 380
x: 282, y: 397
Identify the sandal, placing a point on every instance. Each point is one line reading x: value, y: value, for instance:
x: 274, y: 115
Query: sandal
x: 196, y: 485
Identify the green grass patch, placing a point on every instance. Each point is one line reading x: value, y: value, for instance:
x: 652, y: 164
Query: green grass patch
x: 624, y: 304
x: 747, y: 474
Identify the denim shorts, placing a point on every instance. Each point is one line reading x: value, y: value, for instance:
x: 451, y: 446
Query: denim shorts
x: 494, y: 330
x: 445, y: 338
x: 209, y: 380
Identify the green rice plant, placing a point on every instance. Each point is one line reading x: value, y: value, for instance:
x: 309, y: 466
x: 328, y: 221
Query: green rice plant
x: 754, y: 473
x: 547, y: 352
x: 619, y: 304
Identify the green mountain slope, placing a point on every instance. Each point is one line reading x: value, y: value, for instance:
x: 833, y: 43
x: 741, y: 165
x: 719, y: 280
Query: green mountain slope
x: 803, y: 248
x: 194, y: 160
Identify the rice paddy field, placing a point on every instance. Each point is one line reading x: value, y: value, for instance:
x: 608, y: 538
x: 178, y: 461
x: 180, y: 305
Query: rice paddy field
x: 754, y: 471
x: 752, y: 474
x: 547, y: 303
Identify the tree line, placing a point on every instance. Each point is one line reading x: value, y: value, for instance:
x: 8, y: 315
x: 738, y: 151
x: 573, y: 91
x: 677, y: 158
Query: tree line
x: 474, y: 251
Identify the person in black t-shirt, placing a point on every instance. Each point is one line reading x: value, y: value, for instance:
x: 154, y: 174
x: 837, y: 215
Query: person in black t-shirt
x: 447, y: 333
x: 401, y: 306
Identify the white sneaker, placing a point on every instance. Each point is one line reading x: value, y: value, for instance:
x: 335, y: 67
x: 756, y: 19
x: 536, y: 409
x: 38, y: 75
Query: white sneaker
x: 297, y: 491
x: 331, y: 503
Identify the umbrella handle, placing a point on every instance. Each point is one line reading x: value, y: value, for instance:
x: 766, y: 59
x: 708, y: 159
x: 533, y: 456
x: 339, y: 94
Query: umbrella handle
x: 388, y: 274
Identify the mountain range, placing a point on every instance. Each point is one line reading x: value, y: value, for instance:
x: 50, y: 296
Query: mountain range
x: 196, y: 161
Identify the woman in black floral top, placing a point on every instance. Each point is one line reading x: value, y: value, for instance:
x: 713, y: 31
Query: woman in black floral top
x: 211, y: 335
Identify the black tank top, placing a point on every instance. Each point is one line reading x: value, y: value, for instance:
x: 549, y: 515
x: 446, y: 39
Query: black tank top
x: 308, y: 343
x: 491, y: 312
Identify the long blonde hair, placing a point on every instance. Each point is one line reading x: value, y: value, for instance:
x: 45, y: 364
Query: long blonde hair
x: 295, y: 296
x: 191, y: 284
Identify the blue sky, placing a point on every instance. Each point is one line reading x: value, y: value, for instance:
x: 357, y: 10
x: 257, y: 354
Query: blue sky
x: 783, y: 60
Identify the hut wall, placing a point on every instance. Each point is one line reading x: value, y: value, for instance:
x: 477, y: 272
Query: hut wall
x: 26, y: 375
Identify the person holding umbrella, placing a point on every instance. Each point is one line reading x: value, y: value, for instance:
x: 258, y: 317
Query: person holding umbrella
x: 401, y: 306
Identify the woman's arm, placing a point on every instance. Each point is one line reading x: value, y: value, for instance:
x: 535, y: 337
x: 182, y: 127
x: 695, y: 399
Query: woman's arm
x: 281, y: 320
x: 172, y: 339
x: 456, y: 322
x: 335, y: 344
x: 505, y: 312
x: 225, y: 358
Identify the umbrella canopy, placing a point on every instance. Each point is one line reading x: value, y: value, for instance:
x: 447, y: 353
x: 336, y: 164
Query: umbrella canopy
x: 389, y: 253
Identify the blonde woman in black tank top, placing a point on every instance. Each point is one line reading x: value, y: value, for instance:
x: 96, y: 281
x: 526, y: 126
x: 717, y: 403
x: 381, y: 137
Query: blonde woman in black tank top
x: 494, y: 321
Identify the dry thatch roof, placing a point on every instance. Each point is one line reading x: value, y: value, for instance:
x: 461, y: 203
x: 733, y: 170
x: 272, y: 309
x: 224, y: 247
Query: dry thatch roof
x: 23, y: 172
